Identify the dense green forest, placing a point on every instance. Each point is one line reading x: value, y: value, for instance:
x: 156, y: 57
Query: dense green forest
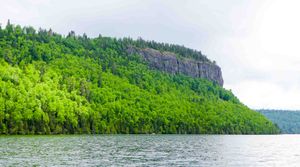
x: 287, y: 120
x: 54, y: 84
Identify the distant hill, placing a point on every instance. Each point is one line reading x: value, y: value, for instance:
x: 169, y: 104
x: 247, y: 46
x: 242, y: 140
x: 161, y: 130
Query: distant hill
x: 288, y: 121
x: 55, y: 84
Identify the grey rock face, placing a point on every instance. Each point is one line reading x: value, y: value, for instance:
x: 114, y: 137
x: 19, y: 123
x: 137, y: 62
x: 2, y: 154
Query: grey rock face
x: 168, y: 62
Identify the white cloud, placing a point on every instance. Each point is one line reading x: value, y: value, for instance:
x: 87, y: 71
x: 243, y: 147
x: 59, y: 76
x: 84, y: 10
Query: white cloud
x: 267, y: 94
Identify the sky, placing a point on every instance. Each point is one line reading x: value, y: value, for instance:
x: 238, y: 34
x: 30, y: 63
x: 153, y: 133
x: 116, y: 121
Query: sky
x: 256, y: 43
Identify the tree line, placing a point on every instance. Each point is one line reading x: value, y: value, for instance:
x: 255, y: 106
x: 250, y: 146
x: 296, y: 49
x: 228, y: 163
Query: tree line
x: 55, y: 84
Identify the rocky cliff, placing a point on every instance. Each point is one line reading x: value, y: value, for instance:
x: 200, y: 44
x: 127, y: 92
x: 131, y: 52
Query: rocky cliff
x: 171, y: 63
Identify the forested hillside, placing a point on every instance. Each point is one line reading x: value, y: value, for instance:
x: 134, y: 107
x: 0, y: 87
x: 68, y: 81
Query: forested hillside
x: 51, y: 84
x: 287, y: 120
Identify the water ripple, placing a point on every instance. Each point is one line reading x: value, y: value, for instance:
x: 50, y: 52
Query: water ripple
x: 150, y: 150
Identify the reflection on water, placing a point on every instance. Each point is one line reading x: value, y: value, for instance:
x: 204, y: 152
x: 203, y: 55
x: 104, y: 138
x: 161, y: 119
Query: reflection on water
x: 150, y: 150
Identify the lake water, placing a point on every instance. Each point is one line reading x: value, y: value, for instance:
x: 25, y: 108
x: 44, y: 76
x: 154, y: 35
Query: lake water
x: 150, y: 150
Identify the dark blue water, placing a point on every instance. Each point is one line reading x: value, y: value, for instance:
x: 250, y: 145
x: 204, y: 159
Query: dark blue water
x: 150, y: 150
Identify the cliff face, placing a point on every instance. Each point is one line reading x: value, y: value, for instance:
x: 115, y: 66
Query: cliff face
x: 168, y: 62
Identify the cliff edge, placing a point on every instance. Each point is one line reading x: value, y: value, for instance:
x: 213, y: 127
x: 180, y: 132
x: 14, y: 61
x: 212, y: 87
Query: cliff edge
x: 171, y: 63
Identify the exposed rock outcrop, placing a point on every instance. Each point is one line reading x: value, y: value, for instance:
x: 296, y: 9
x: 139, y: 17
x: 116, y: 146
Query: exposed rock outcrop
x: 169, y: 62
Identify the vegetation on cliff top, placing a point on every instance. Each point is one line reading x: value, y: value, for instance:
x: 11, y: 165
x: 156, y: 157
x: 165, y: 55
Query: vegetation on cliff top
x: 50, y: 84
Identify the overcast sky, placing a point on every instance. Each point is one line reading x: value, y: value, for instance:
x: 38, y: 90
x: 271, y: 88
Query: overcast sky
x: 255, y: 42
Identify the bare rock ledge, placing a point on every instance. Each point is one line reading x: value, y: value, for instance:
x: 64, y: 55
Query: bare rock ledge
x: 170, y: 63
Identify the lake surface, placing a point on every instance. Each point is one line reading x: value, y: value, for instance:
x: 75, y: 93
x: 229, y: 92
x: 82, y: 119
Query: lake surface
x: 150, y: 150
